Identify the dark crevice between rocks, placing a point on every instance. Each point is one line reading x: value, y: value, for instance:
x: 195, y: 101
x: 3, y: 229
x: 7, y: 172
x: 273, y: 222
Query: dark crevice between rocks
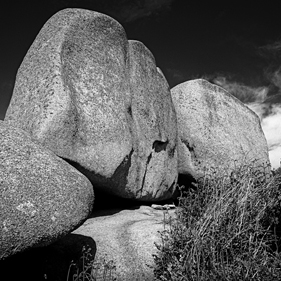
x: 129, y: 110
x: 171, y: 188
x: 185, y: 182
x: 143, y: 179
x: 121, y: 173
x: 94, y: 178
x: 169, y: 191
x: 105, y: 199
x: 159, y: 146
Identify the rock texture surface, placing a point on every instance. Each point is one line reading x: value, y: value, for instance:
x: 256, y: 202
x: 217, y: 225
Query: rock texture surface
x: 154, y: 130
x: 216, y: 130
x: 128, y: 238
x: 42, y: 197
x: 99, y: 101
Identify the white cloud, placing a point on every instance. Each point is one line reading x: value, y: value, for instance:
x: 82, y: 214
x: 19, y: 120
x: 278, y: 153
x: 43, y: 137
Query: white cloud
x: 271, y: 125
x: 276, y: 78
x: 275, y: 157
x: 258, y: 108
x: 243, y: 92
x: 272, y: 129
x: 131, y: 10
x: 124, y: 11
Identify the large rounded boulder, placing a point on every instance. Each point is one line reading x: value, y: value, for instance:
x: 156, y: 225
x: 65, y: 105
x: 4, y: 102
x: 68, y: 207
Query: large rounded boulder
x: 42, y: 198
x: 99, y: 101
x: 217, y: 132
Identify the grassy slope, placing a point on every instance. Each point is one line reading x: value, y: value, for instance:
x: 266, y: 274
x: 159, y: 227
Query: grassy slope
x: 224, y: 231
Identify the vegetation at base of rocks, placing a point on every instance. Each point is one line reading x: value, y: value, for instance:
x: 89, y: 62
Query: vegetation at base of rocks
x: 224, y: 230
x: 89, y: 270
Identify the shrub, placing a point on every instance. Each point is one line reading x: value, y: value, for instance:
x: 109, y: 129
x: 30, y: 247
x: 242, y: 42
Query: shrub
x: 224, y: 230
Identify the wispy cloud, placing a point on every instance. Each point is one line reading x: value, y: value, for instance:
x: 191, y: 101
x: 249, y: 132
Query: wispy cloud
x: 271, y: 53
x: 124, y: 11
x: 131, y: 10
x: 243, y: 92
x: 176, y: 76
x: 275, y: 78
x: 271, y: 50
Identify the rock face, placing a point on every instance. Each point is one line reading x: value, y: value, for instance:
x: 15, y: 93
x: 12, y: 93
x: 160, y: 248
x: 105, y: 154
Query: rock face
x: 154, y: 130
x: 42, y: 197
x: 216, y: 130
x: 127, y: 237
x: 99, y: 101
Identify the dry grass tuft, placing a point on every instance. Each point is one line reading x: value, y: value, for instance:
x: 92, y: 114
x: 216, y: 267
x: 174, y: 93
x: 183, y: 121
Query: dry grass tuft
x: 90, y: 270
x: 225, y: 230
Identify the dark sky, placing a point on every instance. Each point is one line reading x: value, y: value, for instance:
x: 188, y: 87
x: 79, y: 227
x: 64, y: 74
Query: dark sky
x: 238, y: 47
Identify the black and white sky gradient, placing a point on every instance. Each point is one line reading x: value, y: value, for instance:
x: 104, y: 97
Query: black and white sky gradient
x: 235, y: 46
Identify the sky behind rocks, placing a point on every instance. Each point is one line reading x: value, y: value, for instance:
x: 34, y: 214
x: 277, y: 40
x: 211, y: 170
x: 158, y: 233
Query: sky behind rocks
x: 236, y: 47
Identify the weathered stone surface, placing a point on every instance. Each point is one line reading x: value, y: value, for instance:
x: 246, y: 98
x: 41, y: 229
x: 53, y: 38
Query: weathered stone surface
x: 42, y: 198
x: 127, y: 237
x: 154, y: 130
x: 98, y: 100
x: 216, y: 130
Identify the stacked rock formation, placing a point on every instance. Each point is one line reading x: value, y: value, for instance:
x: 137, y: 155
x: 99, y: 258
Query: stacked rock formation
x: 91, y: 111
x: 98, y: 101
